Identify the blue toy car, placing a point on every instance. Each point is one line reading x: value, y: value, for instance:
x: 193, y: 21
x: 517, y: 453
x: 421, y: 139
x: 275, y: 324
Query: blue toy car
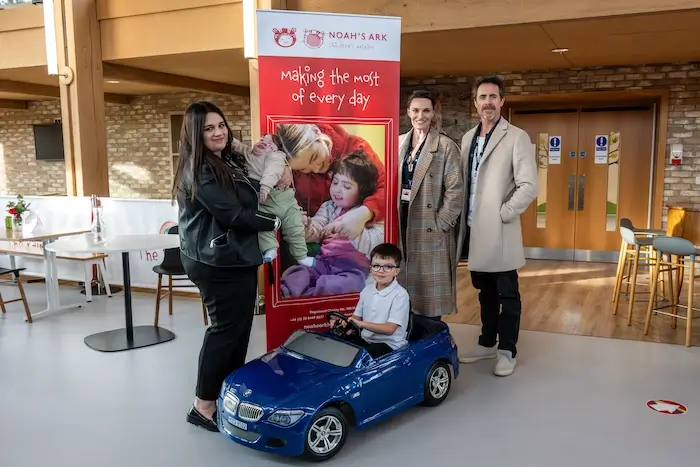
x: 301, y: 398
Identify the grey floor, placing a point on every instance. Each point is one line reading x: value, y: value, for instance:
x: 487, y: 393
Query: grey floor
x: 573, y: 401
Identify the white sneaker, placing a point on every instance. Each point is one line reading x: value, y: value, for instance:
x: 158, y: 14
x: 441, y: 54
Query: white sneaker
x: 506, y: 363
x: 478, y: 352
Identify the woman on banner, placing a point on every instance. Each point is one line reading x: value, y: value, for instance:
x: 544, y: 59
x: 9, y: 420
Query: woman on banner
x: 218, y: 222
x: 430, y: 203
x: 312, y: 149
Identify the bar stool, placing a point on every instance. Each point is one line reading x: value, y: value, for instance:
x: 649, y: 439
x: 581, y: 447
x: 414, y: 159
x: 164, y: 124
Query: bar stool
x: 624, y: 247
x: 632, y: 255
x: 686, y: 253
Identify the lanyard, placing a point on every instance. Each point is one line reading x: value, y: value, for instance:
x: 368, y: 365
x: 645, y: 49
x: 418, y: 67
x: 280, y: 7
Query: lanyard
x: 475, y: 141
x: 413, y: 160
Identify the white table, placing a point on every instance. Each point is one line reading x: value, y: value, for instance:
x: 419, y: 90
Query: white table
x: 46, y: 236
x: 130, y: 337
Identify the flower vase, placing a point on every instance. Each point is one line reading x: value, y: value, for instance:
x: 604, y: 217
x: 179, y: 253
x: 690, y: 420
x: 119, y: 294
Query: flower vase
x: 17, y: 223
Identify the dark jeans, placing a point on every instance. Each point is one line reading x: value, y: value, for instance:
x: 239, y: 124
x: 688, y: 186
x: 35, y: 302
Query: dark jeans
x: 374, y: 349
x: 499, y: 297
x: 229, y: 295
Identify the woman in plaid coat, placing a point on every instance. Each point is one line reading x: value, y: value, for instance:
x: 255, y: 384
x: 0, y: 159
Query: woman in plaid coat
x: 430, y: 203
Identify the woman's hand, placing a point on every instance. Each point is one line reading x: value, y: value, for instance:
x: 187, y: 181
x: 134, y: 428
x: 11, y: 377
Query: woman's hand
x: 286, y: 179
x: 305, y: 218
x: 350, y: 224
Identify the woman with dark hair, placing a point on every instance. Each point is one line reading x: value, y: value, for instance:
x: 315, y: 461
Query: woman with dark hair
x: 430, y: 203
x: 219, y: 222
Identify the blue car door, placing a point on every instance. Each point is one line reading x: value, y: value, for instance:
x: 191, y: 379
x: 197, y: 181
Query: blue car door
x: 384, y: 384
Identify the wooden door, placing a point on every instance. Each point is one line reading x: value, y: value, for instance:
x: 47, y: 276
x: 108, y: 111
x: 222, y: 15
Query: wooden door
x: 549, y: 223
x: 613, y: 179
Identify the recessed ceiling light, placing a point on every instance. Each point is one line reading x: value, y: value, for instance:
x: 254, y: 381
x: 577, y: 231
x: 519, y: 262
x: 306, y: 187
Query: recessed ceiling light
x: 112, y: 81
x: 560, y: 51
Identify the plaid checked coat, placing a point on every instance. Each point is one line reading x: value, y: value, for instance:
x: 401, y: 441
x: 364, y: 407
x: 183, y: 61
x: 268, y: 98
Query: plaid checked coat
x: 430, y: 261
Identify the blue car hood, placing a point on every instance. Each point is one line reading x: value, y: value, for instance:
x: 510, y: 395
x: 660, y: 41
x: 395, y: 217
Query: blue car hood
x: 277, y: 378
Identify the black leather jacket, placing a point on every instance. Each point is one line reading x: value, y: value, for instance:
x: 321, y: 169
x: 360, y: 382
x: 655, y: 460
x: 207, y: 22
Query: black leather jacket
x: 218, y: 227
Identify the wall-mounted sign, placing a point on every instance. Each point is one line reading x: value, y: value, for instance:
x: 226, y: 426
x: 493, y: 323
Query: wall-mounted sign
x: 601, y: 149
x: 555, y: 149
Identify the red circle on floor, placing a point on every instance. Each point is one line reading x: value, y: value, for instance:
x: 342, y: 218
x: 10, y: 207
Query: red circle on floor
x: 667, y: 407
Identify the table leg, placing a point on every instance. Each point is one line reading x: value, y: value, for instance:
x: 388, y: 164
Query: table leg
x: 129, y: 337
x: 53, y: 303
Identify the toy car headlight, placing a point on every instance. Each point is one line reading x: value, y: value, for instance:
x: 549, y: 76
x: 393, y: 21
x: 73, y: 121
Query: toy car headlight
x: 286, y: 417
x: 230, y: 403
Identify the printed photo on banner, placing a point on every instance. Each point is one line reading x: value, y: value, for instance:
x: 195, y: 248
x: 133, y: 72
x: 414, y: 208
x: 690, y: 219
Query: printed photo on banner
x: 339, y: 185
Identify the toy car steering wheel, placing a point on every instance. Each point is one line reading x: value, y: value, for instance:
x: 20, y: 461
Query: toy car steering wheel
x: 341, y: 330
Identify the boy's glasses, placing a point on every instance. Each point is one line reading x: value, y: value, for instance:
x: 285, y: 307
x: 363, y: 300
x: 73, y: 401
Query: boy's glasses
x: 383, y: 267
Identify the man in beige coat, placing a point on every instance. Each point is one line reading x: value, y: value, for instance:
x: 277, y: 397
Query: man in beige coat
x: 500, y: 182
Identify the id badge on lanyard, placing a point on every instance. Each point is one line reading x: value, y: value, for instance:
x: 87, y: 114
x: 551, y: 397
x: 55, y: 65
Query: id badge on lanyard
x: 411, y: 165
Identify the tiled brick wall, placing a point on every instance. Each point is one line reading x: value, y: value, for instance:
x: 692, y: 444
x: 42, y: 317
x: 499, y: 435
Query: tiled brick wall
x: 138, y: 140
x: 138, y: 143
x: 683, y: 81
x: 20, y: 172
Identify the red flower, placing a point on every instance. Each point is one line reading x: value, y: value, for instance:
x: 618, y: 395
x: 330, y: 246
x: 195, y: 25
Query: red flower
x: 13, y: 211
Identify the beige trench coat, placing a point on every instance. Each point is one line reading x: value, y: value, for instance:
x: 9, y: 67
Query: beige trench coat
x: 430, y: 268
x: 506, y: 184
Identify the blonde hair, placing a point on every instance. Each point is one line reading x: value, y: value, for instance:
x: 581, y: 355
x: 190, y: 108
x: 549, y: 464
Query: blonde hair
x: 298, y: 138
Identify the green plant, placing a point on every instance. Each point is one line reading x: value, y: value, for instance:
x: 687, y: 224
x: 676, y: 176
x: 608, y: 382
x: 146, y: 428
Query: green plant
x: 18, y: 208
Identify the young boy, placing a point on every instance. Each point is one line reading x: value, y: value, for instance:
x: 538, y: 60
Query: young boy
x: 383, y: 309
x: 266, y: 162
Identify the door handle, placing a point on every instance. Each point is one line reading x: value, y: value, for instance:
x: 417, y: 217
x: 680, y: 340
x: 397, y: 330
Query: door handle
x: 572, y: 189
x: 581, y: 190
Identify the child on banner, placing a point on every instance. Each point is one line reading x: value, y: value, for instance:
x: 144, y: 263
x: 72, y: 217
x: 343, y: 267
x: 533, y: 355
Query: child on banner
x: 342, y: 265
x: 355, y: 178
x: 266, y: 163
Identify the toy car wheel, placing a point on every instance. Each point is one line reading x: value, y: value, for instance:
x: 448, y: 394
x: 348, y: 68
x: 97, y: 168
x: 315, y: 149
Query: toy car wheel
x: 437, y: 384
x: 326, y: 435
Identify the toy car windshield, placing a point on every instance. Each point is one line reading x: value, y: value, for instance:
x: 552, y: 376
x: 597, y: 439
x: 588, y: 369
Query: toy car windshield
x: 321, y: 348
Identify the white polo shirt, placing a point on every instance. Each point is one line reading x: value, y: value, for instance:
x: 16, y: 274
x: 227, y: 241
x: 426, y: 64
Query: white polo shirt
x: 390, y: 305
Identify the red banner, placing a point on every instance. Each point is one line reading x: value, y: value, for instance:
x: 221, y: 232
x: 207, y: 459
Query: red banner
x: 329, y: 88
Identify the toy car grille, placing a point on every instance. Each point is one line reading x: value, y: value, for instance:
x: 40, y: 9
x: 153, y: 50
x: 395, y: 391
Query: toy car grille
x: 249, y: 412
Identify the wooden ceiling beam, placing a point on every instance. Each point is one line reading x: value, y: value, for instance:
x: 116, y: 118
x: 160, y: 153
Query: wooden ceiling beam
x: 43, y: 90
x: 121, y: 99
x: 464, y: 14
x: 139, y: 75
x: 18, y: 87
x: 13, y: 104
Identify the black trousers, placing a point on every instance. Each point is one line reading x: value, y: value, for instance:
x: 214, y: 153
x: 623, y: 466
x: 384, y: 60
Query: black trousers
x: 374, y: 349
x: 499, y: 297
x: 229, y: 295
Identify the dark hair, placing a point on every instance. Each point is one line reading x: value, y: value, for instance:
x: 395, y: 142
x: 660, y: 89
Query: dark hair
x: 360, y: 169
x: 422, y: 94
x: 194, y: 153
x: 490, y: 79
x: 386, y: 251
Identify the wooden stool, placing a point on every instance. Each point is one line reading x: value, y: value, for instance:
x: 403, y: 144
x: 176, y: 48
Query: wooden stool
x: 625, y: 248
x: 685, y: 253
x: 632, y: 257
x: 17, y: 279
